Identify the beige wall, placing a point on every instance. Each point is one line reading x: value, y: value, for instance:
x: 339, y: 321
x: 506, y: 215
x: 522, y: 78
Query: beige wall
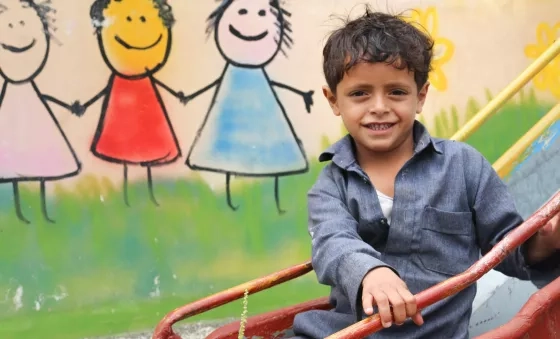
x: 489, y: 38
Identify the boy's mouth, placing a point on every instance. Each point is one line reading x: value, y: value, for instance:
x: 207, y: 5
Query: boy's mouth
x: 379, y: 126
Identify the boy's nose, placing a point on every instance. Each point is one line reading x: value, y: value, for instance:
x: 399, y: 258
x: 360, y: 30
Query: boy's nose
x: 378, y: 106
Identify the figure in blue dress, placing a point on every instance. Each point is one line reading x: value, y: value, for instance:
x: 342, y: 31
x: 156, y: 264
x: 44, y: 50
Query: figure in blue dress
x: 246, y: 131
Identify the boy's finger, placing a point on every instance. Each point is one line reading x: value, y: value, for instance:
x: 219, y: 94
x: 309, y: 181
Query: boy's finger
x: 399, y: 309
x: 547, y: 229
x: 409, y: 300
x: 384, y: 309
x: 367, y: 303
x: 418, y: 320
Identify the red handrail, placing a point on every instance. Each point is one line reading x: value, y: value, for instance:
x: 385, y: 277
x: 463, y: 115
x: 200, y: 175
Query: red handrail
x: 164, y: 328
x: 459, y: 282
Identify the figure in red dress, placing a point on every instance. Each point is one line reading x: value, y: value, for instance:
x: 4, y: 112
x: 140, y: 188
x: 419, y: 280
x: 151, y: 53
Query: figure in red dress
x: 134, y: 128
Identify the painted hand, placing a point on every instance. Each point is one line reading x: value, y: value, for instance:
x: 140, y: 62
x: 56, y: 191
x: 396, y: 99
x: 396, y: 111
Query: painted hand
x: 77, y: 109
x: 552, y: 231
x: 184, y: 99
x: 308, y: 99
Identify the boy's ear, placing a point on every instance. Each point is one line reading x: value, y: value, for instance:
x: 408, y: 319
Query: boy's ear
x: 331, y: 98
x: 422, y: 94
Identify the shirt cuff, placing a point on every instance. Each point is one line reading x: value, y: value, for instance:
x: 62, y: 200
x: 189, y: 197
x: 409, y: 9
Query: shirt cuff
x: 543, y: 272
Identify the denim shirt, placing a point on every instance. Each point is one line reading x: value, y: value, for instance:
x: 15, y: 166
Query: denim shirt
x: 449, y: 207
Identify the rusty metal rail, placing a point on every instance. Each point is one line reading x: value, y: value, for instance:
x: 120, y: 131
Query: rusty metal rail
x: 164, y: 329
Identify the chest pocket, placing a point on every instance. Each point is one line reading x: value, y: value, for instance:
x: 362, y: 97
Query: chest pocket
x: 448, y: 241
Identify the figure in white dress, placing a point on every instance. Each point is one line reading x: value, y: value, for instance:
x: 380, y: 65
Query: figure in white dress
x: 246, y: 131
x: 33, y: 146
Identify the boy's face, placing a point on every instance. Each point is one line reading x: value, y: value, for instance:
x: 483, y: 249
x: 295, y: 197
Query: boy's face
x: 378, y: 104
x: 134, y: 40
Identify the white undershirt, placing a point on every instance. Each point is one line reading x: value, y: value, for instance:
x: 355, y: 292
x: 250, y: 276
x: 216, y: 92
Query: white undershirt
x: 386, y: 205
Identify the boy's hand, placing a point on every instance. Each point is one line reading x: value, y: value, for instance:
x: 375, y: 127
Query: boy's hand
x: 552, y: 231
x: 545, y: 242
x: 382, y: 287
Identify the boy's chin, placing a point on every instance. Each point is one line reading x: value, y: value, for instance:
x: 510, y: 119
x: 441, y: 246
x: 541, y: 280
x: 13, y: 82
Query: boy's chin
x: 381, y: 146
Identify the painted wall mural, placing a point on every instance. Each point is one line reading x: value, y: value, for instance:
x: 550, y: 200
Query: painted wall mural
x: 246, y: 131
x: 135, y: 40
x: 33, y: 146
x: 549, y: 78
x: 155, y: 151
x: 444, y: 48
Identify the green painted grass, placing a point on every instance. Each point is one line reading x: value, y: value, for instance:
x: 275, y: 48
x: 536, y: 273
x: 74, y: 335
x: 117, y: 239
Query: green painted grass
x: 107, y: 260
x: 115, y: 318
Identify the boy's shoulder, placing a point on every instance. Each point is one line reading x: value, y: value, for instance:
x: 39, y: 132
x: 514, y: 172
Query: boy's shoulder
x: 453, y: 148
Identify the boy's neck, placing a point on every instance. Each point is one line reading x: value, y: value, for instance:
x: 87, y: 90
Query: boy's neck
x: 395, y: 158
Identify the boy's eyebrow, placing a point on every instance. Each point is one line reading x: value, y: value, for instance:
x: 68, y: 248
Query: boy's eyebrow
x: 3, y: 7
x: 397, y: 84
x: 391, y: 84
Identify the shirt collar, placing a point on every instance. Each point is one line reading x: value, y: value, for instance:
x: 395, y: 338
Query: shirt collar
x: 342, y: 152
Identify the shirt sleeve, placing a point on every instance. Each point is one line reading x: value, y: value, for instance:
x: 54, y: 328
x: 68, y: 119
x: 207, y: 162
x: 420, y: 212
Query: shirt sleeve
x: 339, y: 255
x: 495, y: 216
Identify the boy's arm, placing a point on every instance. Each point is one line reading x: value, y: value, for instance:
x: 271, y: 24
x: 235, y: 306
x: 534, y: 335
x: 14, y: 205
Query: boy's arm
x: 495, y: 216
x: 339, y: 256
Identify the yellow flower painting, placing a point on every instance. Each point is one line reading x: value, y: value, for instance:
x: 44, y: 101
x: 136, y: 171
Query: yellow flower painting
x: 549, y: 78
x: 443, y: 47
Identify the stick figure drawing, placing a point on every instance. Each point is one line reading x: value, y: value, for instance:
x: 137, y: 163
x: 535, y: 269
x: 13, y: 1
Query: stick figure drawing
x: 33, y: 146
x: 246, y: 131
x: 134, y: 38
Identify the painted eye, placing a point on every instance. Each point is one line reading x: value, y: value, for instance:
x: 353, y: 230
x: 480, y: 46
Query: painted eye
x: 10, y: 25
x: 262, y: 12
x: 242, y: 11
x: 143, y: 18
x: 128, y: 19
x: 22, y: 23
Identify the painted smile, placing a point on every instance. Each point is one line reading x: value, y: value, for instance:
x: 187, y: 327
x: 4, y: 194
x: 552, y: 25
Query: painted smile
x: 238, y: 34
x: 128, y: 46
x: 15, y: 49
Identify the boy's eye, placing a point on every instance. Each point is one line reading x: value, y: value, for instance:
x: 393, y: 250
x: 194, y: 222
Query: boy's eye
x: 357, y: 94
x: 398, y: 92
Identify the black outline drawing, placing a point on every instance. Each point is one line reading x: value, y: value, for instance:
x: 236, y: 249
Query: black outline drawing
x: 166, y: 15
x: 43, y: 10
x: 283, y: 39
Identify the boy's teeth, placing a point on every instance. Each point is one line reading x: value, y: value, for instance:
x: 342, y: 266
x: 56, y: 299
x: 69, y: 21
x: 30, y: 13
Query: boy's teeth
x: 379, y: 127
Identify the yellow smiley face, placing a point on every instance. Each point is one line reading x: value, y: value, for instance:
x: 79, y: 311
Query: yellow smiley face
x: 134, y: 38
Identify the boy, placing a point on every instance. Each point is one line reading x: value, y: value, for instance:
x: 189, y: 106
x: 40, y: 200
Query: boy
x: 397, y: 211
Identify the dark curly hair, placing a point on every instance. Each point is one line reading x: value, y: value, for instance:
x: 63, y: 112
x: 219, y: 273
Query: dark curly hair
x: 98, y: 6
x: 377, y: 37
x: 45, y: 12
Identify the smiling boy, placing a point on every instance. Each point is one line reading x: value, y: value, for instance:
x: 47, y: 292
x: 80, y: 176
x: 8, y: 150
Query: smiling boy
x: 397, y: 211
